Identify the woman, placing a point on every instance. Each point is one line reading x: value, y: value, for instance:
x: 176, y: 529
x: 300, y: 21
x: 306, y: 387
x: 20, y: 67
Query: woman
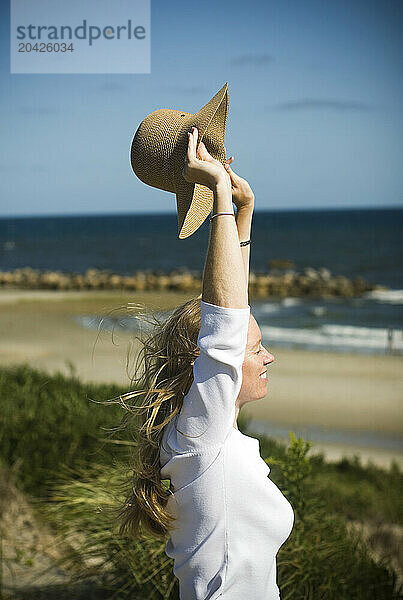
x: 225, y: 517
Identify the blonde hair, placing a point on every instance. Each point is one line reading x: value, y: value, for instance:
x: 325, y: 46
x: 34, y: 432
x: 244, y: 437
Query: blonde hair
x: 163, y: 376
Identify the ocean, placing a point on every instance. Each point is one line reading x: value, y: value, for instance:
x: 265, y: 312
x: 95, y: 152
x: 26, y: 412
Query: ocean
x: 366, y: 243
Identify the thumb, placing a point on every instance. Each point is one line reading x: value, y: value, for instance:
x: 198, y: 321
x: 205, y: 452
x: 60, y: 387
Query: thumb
x: 203, y: 152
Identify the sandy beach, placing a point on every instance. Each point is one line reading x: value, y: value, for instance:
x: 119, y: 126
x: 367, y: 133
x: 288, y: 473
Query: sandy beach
x: 359, y: 395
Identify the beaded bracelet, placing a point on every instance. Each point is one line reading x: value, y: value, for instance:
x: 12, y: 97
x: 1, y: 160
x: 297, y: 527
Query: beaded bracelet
x: 245, y: 243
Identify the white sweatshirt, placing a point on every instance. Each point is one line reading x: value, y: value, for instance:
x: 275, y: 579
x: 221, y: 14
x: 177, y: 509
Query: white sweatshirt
x: 231, y: 518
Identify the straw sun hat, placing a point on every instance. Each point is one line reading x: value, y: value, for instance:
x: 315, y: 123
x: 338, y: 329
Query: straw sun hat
x: 159, y: 149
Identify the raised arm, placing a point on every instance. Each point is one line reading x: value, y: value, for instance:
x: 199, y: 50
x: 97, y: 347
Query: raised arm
x: 224, y: 282
x: 244, y: 200
x: 208, y: 412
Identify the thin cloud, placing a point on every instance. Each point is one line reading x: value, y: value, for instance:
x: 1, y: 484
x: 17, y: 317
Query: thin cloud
x: 38, y: 168
x: 190, y: 90
x: 36, y: 111
x: 14, y: 167
x: 251, y: 60
x: 8, y: 168
x: 329, y: 104
x: 109, y: 86
x: 196, y: 89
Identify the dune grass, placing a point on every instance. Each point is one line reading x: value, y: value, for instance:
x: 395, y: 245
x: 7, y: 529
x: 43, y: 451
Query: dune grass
x: 320, y: 560
x: 53, y: 431
x: 48, y: 421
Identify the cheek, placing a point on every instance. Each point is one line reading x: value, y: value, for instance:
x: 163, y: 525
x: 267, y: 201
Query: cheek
x: 250, y: 370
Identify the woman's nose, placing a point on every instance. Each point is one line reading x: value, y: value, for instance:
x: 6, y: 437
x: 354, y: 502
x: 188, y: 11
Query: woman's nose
x: 269, y: 358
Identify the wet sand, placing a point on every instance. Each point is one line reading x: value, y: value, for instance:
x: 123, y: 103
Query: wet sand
x: 348, y: 392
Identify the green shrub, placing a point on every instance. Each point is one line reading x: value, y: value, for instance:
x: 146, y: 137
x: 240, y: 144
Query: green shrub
x: 83, y: 510
x: 51, y: 428
x: 359, y: 492
x: 320, y: 560
x: 346, y: 487
x: 48, y: 421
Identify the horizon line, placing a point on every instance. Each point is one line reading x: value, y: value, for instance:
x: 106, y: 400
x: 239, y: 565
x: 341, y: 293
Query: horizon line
x: 167, y: 213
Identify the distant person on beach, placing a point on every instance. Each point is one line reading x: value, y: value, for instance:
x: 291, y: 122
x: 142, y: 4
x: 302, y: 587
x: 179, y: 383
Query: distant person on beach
x: 225, y: 518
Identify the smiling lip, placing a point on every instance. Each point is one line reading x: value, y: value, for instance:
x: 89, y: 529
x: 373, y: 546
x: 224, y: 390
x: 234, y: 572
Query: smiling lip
x: 263, y: 374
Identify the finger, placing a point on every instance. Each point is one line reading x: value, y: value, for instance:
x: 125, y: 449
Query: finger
x: 195, y: 135
x: 227, y: 165
x: 203, y: 152
x: 191, y: 153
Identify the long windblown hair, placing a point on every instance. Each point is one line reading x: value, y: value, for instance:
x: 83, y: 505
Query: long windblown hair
x: 163, y: 376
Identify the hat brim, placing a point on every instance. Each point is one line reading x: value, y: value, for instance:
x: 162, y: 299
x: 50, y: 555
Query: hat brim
x: 201, y: 199
x: 195, y: 201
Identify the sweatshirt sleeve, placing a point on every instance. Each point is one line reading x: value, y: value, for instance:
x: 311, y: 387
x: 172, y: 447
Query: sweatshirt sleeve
x: 208, y: 410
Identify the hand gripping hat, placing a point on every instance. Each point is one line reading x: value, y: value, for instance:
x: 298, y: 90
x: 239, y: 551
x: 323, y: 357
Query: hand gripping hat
x: 159, y: 149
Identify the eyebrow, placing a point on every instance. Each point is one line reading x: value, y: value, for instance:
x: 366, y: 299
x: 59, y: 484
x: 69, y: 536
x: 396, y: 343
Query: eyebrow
x: 257, y: 343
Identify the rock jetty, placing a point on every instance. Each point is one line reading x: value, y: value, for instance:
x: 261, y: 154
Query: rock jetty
x: 279, y: 282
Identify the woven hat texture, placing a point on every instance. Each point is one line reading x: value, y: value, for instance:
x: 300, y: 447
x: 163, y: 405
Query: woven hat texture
x: 159, y: 149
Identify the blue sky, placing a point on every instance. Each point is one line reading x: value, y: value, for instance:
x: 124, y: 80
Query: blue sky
x: 315, y: 117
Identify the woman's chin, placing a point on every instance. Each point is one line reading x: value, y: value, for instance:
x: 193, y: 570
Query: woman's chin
x: 265, y: 389
x: 264, y: 384
x: 262, y: 394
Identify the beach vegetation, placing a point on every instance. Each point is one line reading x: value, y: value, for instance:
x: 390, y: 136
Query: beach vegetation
x: 71, y: 460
